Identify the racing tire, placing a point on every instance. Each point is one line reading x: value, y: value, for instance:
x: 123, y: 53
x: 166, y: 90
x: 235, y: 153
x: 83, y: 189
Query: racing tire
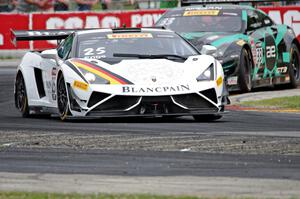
x: 294, y: 69
x: 21, y: 99
x: 206, y: 118
x: 244, y: 73
x: 62, y: 98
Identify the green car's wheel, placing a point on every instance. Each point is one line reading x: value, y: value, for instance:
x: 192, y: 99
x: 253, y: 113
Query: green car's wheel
x: 21, y: 100
x: 244, y: 73
x: 294, y: 69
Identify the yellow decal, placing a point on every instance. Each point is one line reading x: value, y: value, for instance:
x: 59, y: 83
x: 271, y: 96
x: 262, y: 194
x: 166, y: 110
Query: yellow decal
x: 80, y: 85
x: 219, y: 81
x: 201, y: 12
x: 129, y: 35
x: 240, y: 42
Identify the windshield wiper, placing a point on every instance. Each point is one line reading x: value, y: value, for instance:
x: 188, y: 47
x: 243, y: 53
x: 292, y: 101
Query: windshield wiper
x: 145, y: 56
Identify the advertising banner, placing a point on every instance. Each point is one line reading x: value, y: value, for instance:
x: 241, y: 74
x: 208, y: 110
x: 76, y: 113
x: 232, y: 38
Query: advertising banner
x: 15, y: 22
x: 289, y: 15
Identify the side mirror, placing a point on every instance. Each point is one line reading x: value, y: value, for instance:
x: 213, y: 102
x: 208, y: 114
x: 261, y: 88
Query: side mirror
x: 50, y: 54
x: 208, y: 50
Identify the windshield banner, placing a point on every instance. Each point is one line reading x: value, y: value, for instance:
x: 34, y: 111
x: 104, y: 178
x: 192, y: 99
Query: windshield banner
x: 289, y: 15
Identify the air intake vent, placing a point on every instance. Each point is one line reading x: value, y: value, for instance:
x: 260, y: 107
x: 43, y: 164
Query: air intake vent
x: 210, y: 94
x: 97, y: 97
x: 39, y: 82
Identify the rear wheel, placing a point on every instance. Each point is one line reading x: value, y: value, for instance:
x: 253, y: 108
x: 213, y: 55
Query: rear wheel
x: 244, y: 74
x: 294, y: 69
x: 62, y: 98
x: 21, y: 100
x: 203, y: 118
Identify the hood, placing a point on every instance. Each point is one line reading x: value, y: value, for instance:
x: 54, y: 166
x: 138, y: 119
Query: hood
x: 148, y: 71
x: 216, y: 39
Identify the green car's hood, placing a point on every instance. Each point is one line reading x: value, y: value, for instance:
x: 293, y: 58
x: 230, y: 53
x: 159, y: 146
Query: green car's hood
x: 216, y: 39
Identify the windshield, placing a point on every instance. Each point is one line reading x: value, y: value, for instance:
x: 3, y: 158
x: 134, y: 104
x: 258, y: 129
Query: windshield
x: 202, y: 23
x: 118, y: 45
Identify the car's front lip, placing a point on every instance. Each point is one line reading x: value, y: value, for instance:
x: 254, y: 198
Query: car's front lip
x: 110, y: 101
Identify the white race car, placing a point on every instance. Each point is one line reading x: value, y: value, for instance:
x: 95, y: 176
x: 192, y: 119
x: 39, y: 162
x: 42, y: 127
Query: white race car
x: 119, y: 72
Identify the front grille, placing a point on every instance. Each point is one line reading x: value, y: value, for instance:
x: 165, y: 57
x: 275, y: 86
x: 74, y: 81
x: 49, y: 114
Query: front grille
x: 192, y: 101
x: 117, y: 103
x: 210, y: 94
x: 97, y: 97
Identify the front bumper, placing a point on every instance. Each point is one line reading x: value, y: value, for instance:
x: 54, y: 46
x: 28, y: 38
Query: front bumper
x: 109, y: 105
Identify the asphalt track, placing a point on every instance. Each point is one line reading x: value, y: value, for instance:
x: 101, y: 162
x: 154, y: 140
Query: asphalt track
x: 34, y: 157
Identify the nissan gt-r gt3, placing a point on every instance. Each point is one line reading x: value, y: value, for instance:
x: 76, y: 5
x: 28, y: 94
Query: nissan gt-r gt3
x: 253, y: 50
x: 118, y: 72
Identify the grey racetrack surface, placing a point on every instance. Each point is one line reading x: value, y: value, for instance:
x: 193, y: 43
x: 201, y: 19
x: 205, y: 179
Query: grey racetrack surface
x: 242, y: 144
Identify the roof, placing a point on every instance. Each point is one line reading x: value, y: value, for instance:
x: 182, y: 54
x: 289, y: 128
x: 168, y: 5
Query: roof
x: 223, y: 6
x: 124, y: 30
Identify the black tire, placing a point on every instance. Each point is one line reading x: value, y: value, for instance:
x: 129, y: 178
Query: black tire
x: 244, y: 73
x: 205, y: 118
x: 21, y: 100
x: 294, y: 69
x: 62, y: 98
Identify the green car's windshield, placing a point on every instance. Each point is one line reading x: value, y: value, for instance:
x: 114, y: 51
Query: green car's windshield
x: 202, y: 23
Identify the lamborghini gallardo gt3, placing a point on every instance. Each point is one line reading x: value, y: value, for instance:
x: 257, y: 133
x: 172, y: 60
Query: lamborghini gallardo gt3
x: 145, y: 72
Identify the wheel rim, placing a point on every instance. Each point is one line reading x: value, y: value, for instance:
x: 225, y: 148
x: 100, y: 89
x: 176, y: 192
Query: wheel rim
x: 21, y: 94
x: 62, y: 98
x: 295, y: 65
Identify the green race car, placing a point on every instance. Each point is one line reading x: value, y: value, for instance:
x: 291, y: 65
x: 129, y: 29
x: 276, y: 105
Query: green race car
x: 253, y: 50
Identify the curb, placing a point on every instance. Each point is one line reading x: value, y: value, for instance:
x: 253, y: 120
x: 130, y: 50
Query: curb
x: 262, y: 95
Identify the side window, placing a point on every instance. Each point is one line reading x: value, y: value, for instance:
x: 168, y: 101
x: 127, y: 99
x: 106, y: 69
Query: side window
x: 65, y: 47
x: 254, y: 20
x: 267, y: 21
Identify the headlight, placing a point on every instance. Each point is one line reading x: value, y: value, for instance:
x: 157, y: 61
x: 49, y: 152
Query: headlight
x: 90, y: 77
x: 207, y: 75
x: 93, y: 78
x: 218, y: 54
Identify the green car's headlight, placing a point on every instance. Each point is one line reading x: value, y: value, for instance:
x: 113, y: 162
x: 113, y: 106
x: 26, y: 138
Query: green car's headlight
x: 208, y: 74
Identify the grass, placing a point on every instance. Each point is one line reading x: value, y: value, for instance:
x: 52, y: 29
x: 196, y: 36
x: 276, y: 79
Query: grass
x: 282, y: 103
x: 38, y: 195
x: 34, y: 195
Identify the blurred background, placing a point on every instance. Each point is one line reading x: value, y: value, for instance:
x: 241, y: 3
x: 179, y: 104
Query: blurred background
x: 97, y: 5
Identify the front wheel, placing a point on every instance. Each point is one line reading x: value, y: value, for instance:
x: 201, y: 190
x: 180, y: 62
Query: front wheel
x: 203, y: 118
x: 62, y: 98
x: 21, y: 100
x: 294, y: 69
x: 244, y: 73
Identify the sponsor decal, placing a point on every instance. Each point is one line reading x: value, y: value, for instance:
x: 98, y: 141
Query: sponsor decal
x: 232, y: 80
x: 204, y: 8
x: 100, y: 71
x: 156, y: 89
x: 53, y: 88
x: 153, y: 78
x: 129, y: 35
x: 258, y: 55
x: 201, y: 12
x: 282, y: 69
x: 80, y: 85
x: 219, y: 81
